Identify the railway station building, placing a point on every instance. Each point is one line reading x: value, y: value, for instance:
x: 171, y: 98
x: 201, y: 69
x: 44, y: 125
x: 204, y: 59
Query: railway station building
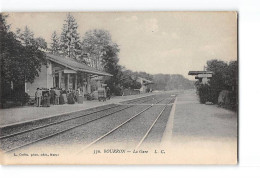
x: 64, y: 73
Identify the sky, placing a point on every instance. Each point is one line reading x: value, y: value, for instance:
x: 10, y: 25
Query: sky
x: 154, y: 42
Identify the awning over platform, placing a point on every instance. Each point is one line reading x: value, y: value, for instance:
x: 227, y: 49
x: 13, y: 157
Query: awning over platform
x: 74, y: 65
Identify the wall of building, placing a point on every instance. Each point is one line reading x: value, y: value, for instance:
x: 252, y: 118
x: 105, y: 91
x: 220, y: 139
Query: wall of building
x: 143, y: 88
x: 45, y: 80
x: 49, y: 75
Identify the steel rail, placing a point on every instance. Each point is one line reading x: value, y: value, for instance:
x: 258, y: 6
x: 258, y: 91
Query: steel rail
x: 53, y: 123
x: 149, y: 130
x: 58, y: 122
x: 62, y: 131
x: 114, y: 129
x: 65, y: 130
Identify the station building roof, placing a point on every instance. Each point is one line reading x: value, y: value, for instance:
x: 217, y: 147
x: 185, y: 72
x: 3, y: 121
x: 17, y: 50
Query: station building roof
x: 145, y: 80
x: 74, y: 65
x: 199, y: 72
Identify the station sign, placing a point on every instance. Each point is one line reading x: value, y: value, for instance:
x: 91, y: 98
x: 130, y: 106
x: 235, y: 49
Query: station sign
x: 204, y: 75
x: 69, y: 71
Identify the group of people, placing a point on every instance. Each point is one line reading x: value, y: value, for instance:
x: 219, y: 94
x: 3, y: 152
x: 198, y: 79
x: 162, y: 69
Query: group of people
x: 55, y: 96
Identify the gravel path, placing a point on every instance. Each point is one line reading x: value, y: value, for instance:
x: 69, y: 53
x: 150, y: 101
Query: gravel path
x: 203, y: 121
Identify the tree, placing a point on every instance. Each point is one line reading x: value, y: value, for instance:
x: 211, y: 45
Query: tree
x: 110, y: 65
x: 95, y: 45
x: 129, y: 80
x: 232, y: 82
x: 21, y: 60
x: 31, y: 53
x: 41, y: 43
x: 231, y: 78
x: 171, y: 82
x: 217, y: 82
x: 55, y: 43
x: 100, y: 52
x: 26, y: 37
x: 224, y: 78
x: 70, y: 41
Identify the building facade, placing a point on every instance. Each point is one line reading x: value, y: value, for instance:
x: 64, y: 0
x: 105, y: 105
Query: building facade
x: 64, y: 73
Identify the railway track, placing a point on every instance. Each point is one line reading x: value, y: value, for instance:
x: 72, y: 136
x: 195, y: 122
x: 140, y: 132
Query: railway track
x: 127, y: 121
x: 3, y: 135
x: 12, y: 141
x: 149, y: 130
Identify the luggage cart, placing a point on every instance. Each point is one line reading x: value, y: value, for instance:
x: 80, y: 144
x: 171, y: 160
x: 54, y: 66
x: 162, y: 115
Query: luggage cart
x: 102, y: 94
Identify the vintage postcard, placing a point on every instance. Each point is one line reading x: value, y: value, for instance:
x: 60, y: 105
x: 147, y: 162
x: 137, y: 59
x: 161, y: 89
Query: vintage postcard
x: 119, y: 88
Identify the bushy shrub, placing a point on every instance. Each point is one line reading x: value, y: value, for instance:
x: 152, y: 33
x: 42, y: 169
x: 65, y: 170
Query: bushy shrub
x: 204, y: 92
x: 224, y: 78
x: 116, y: 90
x: 15, y: 98
x: 233, y: 101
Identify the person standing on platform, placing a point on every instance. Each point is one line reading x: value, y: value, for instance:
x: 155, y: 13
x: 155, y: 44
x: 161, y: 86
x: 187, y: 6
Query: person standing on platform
x: 64, y: 94
x: 46, y: 99
x: 57, y: 96
x: 108, y: 93
x: 62, y: 101
x: 71, y: 98
x: 38, y: 96
x: 52, y: 95
x: 77, y: 95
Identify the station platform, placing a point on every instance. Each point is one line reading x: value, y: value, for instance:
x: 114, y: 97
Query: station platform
x: 16, y: 115
x: 202, y: 134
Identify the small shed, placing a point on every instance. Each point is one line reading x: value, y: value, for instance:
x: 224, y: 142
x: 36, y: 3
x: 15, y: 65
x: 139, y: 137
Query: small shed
x: 144, y: 84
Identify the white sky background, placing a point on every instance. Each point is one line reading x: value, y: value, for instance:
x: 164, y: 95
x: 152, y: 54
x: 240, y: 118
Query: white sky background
x: 162, y: 42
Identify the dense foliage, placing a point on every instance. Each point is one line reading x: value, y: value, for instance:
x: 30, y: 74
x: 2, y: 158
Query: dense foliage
x: 55, y: 44
x: 225, y: 77
x: 96, y: 43
x: 70, y: 44
x: 21, y: 60
x: 171, y: 82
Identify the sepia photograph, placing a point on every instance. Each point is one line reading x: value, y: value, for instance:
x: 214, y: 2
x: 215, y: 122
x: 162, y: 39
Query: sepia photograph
x: 119, y: 87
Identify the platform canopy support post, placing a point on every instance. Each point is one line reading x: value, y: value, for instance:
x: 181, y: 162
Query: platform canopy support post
x: 60, y: 73
x: 76, y: 81
x: 88, y: 84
